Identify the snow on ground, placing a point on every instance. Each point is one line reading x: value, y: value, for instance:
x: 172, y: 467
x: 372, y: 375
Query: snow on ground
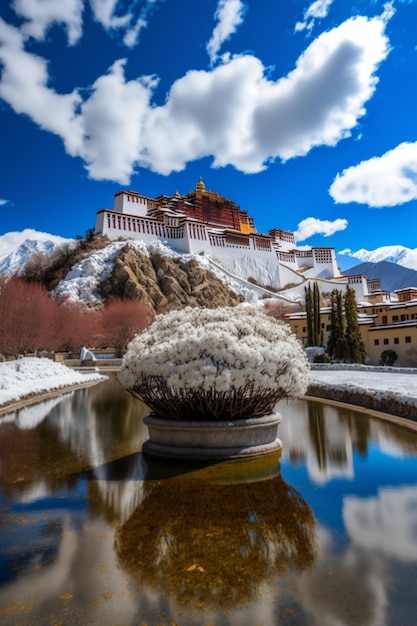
x: 380, y: 383
x: 24, y: 377
x: 28, y: 376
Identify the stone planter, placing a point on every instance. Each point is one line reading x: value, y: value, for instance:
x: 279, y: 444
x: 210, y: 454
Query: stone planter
x: 212, y: 440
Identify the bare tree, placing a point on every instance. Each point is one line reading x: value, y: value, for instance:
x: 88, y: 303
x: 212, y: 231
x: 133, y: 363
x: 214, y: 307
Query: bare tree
x: 26, y: 312
x: 121, y: 320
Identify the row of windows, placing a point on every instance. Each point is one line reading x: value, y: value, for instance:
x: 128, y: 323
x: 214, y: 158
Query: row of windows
x: 323, y: 257
x: 220, y: 242
x: 140, y: 225
x: 197, y: 231
x: 404, y: 317
x: 396, y: 340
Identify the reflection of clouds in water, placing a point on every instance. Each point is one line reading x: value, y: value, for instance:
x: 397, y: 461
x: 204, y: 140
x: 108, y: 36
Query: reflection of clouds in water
x: 345, y: 589
x: 386, y: 522
x: 82, y: 584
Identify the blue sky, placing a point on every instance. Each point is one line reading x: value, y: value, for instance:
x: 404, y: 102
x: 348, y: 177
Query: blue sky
x: 302, y: 113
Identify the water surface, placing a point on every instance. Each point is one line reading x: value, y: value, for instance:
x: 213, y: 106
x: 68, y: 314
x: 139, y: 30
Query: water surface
x: 92, y: 532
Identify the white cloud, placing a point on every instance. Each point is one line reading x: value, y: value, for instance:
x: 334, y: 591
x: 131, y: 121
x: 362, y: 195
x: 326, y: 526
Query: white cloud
x: 42, y: 14
x: 3, y: 202
x: 313, y: 226
x: 229, y: 14
x: 388, y: 180
x: 24, y: 85
x: 113, y: 119
x: 233, y: 112
x: 131, y: 22
x: 318, y: 10
x: 104, y: 13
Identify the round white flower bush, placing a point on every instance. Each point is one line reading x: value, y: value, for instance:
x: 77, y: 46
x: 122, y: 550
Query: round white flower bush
x: 215, y: 364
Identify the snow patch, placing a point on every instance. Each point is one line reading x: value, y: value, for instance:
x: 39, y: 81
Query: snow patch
x: 31, y: 375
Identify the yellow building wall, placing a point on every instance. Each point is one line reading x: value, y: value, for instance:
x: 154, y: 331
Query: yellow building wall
x: 377, y: 336
x: 402, y: 339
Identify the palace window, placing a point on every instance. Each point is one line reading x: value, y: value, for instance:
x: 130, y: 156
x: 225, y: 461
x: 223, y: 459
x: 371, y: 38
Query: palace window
x: 396, y: 340
x: 376, y: 342
x: 386, y: 342
x: 408, y: 340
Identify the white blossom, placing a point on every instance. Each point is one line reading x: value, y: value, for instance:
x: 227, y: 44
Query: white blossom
x: 227, y: 351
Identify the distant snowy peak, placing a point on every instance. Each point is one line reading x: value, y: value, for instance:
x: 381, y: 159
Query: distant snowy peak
x: 407, y: 257
x: 16, y: 248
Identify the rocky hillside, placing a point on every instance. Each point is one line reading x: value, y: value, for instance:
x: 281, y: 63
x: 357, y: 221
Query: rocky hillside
x: 162, y: 278
x: 166, y: 283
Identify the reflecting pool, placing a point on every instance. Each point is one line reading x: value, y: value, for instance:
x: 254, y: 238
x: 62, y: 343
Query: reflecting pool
x: 92, y: 532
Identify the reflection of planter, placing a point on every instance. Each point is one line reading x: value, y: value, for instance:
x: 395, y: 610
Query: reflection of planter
x: 212, y: 440
x: 206, y: 543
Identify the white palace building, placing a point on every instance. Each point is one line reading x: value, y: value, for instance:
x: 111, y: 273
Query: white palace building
x: 204, y: 222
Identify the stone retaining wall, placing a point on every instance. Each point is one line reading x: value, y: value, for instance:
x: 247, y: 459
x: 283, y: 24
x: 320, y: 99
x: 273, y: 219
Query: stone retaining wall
x: 378, y: 401
x: 363, y: 368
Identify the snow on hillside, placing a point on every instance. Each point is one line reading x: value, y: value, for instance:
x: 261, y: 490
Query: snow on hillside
x: 407, y: 257
x: 24, y: 377
x: 82, y: 283
x: 17, y: 247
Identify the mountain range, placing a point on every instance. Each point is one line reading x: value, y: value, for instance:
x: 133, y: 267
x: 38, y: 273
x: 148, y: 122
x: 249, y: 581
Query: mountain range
x: 392, y: 264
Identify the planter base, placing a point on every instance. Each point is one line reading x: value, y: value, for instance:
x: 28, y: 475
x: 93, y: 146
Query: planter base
x: 212, y: 440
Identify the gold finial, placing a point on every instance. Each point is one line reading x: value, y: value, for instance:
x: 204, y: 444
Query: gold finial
x: 200, y: 185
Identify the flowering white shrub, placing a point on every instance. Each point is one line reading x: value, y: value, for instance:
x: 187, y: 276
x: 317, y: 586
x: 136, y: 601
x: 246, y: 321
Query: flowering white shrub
x: 215, y: 364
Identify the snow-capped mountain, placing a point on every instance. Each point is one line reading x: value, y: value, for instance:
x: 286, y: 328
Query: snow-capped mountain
x: 407, y: 257
x: 17, y: 247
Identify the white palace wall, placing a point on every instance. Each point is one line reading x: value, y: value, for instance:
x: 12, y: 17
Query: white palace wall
x: 263, y: 260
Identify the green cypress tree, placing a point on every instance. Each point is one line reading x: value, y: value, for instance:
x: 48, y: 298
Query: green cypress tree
x: 317, y: 332
x: 310, y: 314
x: 314, y: 330
x: 336, y: 343
x: 354, y: 346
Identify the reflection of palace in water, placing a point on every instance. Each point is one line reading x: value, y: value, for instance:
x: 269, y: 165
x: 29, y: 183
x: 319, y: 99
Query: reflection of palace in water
x: 126, y: 536
x: 83, y: 430
x: 314, y: 434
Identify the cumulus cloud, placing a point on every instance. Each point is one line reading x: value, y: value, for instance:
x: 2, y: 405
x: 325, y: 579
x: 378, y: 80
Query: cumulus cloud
x: 313, y: 226
x: 3, y: 202
x: 241, y: 118
x: 42, y: 14
x: 113, y: 119
x: 232, y: 112
x: 318, y: 10
x: 384, y: 181
x: 229, y: 14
